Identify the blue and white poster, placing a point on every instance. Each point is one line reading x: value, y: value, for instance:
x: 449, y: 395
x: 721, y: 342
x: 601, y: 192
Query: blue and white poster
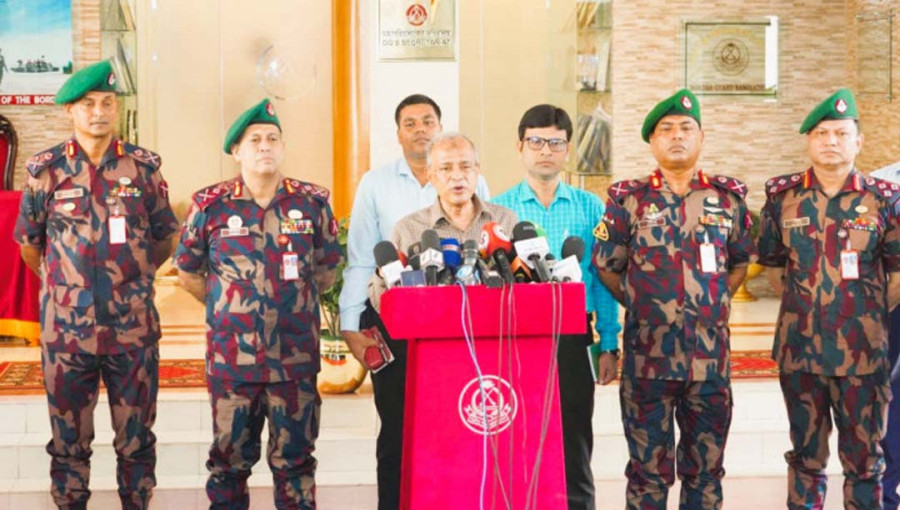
x: 35, y: 50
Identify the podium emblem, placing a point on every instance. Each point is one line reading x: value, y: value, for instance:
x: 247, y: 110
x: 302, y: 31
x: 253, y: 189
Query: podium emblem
x: 488, y: 408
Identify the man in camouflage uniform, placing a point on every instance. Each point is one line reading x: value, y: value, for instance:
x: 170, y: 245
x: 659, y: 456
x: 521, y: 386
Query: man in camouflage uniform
x: 672, y: 247
x: 95, y: 223
x: 831, y: 240
x: 258, y: 249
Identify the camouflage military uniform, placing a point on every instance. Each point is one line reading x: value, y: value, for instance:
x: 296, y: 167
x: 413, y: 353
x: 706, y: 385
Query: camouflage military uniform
x: 831, y: 341
x: 97, y: 313
x: 676, y: 338
x: 263, y: 331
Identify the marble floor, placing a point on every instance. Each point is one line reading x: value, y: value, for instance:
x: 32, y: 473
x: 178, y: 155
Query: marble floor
x: 739, y: 493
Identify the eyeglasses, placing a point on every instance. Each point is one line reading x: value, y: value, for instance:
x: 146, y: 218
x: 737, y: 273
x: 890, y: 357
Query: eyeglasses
x: 536, y: 143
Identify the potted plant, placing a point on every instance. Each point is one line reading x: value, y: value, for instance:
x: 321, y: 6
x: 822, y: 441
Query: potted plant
x: 341, y: 372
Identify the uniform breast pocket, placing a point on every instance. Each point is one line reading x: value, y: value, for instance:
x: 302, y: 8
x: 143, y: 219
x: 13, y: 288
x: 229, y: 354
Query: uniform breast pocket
x: 800, y: 236
x: 650, y: 245
x: 69, y: 218
x: 135, y: 212
x: 234, y: 255
x: 717, y: 236
x: 865, y: 242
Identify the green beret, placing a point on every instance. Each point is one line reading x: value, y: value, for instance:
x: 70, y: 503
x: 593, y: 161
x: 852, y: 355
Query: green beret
x: 262, y: 113
x: 97, y: 77
x: 683, y: 102
x: 840, y: 105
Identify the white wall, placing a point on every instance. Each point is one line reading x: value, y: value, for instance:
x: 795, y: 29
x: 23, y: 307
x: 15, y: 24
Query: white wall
x: 391, y: 81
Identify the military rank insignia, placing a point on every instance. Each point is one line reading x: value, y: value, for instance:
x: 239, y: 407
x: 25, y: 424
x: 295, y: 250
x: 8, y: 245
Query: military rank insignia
x: 296, y: 226
x: 861, y: 223
x: 126, y: 192
x: 716, y: 220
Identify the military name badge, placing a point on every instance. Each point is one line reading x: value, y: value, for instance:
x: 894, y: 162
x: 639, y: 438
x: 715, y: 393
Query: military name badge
x: 795, y: 222
x: 66, y: 194
x: 651, y: 222
x: 235, y: 228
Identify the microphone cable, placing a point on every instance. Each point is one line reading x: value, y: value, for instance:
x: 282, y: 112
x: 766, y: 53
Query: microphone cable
x: 556, y: 298
x: 469, y: 335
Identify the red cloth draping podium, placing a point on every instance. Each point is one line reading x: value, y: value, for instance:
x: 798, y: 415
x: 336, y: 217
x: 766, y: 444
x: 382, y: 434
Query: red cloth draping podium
x: 444, y: 421
x: 19, y: 287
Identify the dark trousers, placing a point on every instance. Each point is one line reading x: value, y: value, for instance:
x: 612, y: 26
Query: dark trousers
x: 390, y: 392
x: 576, y: 405
x: 891, y: 443
x: 72, y: 382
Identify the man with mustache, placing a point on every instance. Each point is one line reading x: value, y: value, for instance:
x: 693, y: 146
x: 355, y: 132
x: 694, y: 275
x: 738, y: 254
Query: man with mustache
x: 831, y: 240
x: 258, y: 250
x: 94, y: 224
x: 672, y: 248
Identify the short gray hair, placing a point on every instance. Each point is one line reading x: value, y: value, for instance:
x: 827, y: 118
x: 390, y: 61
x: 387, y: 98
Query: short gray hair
x: 448, y: 136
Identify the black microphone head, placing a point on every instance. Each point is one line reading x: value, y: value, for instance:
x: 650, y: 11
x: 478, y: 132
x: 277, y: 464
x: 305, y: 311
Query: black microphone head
x: 524, y: 230
x: 385, y: 252
x: 431, y: 240
x: 573, y: 245
x: 469, y: 245
x: 413, y: 255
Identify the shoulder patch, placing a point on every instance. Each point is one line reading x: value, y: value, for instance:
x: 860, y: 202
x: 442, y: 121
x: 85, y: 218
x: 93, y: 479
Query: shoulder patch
x: 37, y: 163
x: 776, y: 185
x: 294, y: 186
x: 887, y: 189
x: 206, y: 196
x: 147, y: 157
x: 622, y: 189
x: 729, y: 184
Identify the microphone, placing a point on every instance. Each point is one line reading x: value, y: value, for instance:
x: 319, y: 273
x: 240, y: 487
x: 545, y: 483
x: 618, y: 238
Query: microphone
x: 533, y: 249
x: 413, y: 252
x: 569, y: 268
x: 520, y: 271
x: 431, y: 259
x: 466, y: 273
x: 495, y: 245
x: 452, y: 253
x: 414, y: 276
x: 389, y: 265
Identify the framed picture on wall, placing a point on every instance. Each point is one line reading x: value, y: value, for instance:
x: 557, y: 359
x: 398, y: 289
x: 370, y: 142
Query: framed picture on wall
x: 731, y: 57
x: 35, y: 50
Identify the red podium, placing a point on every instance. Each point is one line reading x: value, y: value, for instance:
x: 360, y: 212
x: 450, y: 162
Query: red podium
x: 450, y: 439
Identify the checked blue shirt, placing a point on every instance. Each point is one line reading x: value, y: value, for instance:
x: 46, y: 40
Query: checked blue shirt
x: 573, y: 212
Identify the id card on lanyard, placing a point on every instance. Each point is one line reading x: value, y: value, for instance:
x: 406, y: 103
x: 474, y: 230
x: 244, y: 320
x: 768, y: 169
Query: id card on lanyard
x: 290, y: 265
x: 707, y: 255
x: 849, y: 263
x: 117, y: 228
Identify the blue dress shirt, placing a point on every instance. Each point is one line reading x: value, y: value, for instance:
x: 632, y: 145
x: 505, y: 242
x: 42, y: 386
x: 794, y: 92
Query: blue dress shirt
x: 383, y: 197
x: 573, y: 212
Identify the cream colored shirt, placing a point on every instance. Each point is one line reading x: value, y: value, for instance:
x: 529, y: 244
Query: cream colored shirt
x: 409, y: 230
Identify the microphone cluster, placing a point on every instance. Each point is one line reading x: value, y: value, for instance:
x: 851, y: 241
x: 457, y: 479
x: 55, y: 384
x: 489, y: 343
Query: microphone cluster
x: 495, y: 261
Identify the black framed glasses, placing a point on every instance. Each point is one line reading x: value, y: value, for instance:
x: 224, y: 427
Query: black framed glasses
x: 536, y: 143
